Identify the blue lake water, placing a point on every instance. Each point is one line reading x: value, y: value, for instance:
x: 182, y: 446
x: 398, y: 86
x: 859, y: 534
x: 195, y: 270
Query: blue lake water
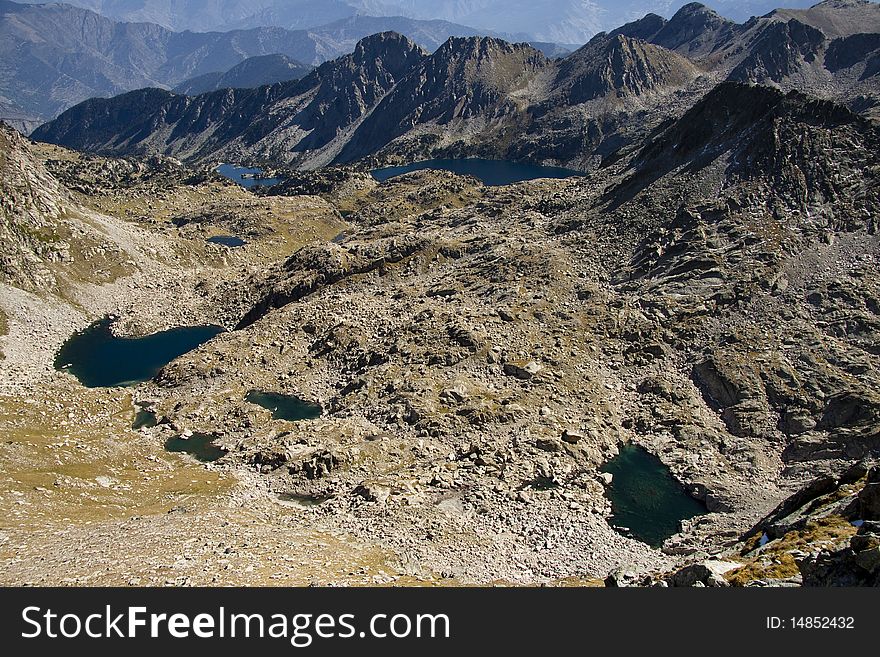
x: 245, y: 176
x: 490, y: 172
x: 99, y: 359
x: 647, y: 502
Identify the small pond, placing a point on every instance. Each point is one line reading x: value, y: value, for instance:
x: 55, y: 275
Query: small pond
x: 144, y: 419
x: 284, y: 407
x: 647, y: 503
x: 490, y: 172
x: 200, y: 446
x: 246, y: 177
x: 99, y: 359
x: 300, y: 501
x: 227, y: 240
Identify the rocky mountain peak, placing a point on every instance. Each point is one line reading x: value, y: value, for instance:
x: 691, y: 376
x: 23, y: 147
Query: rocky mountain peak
x: 694, y: 30
x: 789, y: 142
x: 622, y: 66
x: 780, y: 51
x: 836, y: 18
x: 465, y: 78
x: 842, y: 4
x: 393, y: 49
x: 644, y: 28
x: 477, y: 52
x: 692, y: 26
x: 695, y: 18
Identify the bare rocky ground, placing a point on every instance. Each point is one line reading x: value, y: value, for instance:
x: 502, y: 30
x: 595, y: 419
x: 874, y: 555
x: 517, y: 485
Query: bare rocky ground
x: 478, y: 353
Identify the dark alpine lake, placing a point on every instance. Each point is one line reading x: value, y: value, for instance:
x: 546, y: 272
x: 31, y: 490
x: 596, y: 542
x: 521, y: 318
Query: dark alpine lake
x: 245, y: 177
x: 144, y: 418
x: 199, y: 445
x: 647, y: 502
x: 99, y: 359
x: 227, y: 240
x: 284, y: 407
x: 490, y: 172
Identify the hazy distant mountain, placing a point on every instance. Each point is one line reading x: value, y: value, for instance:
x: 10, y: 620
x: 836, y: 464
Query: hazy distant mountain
x: 252, y: 72
x: 559, y: 21
x: 54, y: 56
x: 209, y: 15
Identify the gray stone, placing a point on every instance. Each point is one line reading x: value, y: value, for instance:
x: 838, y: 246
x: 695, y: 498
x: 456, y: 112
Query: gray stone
x: 868, y: 559
x: 524, y: 370
x: 571, y: 436
x: 709, y: 572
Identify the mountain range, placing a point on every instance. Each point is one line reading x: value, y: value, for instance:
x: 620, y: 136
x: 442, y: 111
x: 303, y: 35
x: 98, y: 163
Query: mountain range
x: 252, y: 72
x: 481, y: 96
x: 566, y: 21
x: 54, y: 56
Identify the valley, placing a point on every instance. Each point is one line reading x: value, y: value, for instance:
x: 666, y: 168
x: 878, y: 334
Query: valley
x: 466, y: 376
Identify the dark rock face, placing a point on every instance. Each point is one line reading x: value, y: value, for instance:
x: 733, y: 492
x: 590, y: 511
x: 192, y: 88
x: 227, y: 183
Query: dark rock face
x: 464, y: 79
x: 644, y: 28
x: 767, y: 129
x: 353, y: 85
x: 780, y: 51
x: 850, y: 51
x: 869, y: 498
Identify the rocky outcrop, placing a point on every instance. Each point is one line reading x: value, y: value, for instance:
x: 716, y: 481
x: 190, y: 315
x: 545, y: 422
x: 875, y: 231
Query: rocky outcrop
x: 706, y: 573
x: 782, y: 50
x: 312, y: 267
x: 858, y: 562
x: 46, y: 241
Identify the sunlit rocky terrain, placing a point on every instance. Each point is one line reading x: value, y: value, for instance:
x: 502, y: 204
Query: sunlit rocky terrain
x: 433, y: 380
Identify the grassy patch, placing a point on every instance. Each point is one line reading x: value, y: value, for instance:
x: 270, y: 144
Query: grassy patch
x: 776, y: 562
x: 73, y: 457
